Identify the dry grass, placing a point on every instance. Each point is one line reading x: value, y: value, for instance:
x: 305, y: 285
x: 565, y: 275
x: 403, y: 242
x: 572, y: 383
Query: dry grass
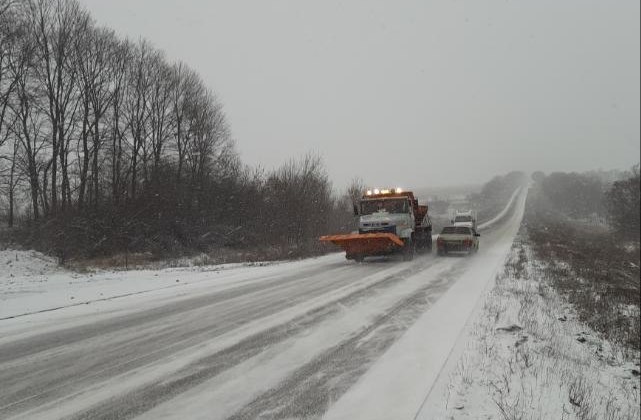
x: 597, y: 272
x: 222, y: 255
x: 532, y: 357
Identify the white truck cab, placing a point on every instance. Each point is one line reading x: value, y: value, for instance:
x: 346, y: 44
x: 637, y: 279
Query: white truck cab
x: 381, y: 214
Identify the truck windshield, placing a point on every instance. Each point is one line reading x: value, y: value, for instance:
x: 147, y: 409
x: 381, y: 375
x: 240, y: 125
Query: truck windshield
x: 387, y: 205
x: 463, y: 219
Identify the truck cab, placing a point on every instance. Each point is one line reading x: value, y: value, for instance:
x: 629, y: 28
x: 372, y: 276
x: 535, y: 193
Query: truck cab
x: 386, y: 214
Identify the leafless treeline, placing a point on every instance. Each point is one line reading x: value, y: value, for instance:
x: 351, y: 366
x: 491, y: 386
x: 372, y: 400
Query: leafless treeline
x: 611, y: 195
x: 112, y: 145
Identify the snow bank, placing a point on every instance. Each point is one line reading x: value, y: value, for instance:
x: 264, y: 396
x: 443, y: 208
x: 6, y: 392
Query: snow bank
x: 34, y: 283
x: 15, y: 264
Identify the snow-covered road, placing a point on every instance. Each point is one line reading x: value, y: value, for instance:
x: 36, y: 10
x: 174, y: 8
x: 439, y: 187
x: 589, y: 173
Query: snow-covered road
x: 303, y: 339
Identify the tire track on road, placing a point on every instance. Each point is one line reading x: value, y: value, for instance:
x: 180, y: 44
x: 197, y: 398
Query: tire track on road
x: 42, y: 342
x: 145, y: 398
x: 311, y: 389
x: 64, y: 377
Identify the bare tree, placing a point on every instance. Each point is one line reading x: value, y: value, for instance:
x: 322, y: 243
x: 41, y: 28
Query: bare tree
x: 135, y: 145
x: 10, y: 34
x: 55, y: 25
x: 299, y: 199
x: 95, y: 60
x: 11, y: 179
x: 122, y: 54
x: 209, y: 138
x: 355, y: 190
x: 187, y: 87
x: 136, y: 109
x: 27, y: 124
x: 163, y: 86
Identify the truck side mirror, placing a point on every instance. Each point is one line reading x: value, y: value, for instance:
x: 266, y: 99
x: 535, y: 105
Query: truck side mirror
x: 477, y: 234
x: 355, y: 210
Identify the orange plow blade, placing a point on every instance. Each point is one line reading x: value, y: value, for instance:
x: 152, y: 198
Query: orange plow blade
x: 364, y: 244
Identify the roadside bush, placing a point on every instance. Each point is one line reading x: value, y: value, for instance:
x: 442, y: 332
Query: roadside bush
x: 597, y: 272
x: 623, y: 203
x: 575, y: 195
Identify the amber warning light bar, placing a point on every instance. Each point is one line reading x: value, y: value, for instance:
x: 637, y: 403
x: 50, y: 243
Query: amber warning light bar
x: 376, y: 191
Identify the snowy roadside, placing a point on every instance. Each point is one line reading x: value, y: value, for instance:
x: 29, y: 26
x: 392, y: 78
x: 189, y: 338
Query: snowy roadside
x: 31, y: 282
x: 528, y: 356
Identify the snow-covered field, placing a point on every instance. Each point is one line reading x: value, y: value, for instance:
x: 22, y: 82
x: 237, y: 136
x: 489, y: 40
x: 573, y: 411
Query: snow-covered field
x: 32, y: 282
x: 304, y: 339
x: 528, y: 357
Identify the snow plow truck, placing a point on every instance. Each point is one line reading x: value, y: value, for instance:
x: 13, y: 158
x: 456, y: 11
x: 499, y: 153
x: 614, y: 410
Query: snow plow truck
x: 389, y: 221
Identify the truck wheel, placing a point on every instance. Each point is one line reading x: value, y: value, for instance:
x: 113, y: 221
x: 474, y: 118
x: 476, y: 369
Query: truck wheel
x: 359, y: 258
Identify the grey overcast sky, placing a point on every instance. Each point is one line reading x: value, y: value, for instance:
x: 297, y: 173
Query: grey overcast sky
x: 412, y: 93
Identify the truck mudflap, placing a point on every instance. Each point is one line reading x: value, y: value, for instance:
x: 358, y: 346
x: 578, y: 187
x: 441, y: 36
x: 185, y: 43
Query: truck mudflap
x: 359, y: 245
